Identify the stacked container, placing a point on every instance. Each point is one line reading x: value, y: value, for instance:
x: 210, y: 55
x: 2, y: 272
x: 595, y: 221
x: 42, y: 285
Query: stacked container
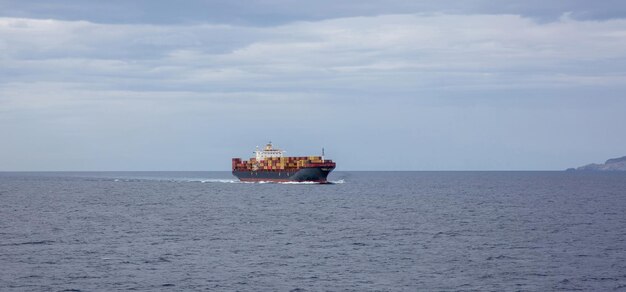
x: 278, y: 163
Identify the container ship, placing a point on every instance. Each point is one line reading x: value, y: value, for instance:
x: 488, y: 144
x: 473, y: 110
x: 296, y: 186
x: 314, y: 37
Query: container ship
x: 271, y: 165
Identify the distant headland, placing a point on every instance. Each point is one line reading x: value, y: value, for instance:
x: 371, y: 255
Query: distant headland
x: 614, y: 164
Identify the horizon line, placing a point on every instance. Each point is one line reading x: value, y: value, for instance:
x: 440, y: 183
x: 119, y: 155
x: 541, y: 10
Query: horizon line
x: 346, y: 170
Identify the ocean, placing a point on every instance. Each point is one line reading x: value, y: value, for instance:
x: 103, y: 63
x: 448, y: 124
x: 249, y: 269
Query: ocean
x: 368, y: 231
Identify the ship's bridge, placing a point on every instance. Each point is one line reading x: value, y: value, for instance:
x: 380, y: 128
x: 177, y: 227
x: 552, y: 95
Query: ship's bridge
x: 268, y: 152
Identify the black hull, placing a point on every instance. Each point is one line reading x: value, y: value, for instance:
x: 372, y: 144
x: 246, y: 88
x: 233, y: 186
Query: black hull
x: 308, y: 174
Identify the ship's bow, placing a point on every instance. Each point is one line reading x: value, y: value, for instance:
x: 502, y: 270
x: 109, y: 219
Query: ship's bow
x: 314, y: 173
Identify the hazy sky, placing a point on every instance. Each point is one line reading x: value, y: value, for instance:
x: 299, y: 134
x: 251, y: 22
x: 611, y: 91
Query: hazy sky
x: 382, y: 85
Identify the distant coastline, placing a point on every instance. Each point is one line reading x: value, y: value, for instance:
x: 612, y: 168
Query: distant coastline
x: 614, y: 164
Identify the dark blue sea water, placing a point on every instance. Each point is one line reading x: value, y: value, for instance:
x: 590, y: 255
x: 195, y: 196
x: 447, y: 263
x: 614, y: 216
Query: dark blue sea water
x: 371, y: 231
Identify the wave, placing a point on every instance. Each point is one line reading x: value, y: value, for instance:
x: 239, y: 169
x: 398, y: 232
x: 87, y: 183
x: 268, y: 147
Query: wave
x: 332, y: 182
x: 236, y: 181
x: 221, y: 180
x: 218, y: 180
x: 298, y: 183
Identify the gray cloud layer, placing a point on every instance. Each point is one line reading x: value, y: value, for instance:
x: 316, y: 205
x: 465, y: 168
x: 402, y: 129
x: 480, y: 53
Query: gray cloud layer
x: 408, y: 91
x: 272, y: 12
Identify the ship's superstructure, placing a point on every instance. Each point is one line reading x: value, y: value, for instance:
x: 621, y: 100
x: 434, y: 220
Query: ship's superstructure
x: 268, y: 152
x: 270, y: 164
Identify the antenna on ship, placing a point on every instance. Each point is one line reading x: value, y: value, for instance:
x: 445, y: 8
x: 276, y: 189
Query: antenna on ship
x: 322, y: 154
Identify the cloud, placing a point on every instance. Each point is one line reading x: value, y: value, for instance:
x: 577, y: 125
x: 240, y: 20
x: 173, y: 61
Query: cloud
x: 416, y: 76
x: 388, y: 52
x: 279, y: 12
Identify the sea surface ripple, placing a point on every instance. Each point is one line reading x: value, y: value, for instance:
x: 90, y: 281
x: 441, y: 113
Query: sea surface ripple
x: 370, y: 231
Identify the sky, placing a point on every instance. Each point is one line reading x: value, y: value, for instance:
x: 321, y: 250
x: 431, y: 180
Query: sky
x: 381, y: 85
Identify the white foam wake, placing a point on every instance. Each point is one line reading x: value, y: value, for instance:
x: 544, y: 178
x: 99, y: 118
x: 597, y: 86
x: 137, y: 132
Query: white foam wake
x: 226, y: 180
x: 298, y: 183
x: 220, y: 180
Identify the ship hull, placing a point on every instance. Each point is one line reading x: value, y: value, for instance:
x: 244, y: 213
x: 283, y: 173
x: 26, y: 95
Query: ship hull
x: 308, y: 174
